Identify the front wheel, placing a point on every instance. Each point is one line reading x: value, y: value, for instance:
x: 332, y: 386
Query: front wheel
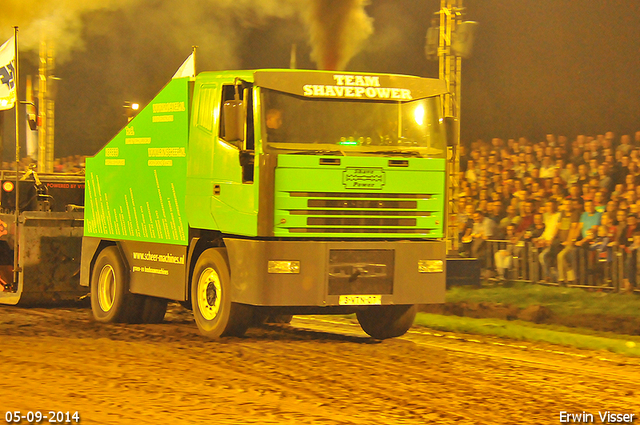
x: 386, y: 321
x: 213, y: 310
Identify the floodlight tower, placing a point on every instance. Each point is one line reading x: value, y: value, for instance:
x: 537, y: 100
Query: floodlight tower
x: 450, y: 65
x: 451, y: 72
x: 46, y: 96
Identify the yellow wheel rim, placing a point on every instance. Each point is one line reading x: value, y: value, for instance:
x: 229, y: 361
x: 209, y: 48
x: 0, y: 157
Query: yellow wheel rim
x: 106, y: 287
x: 209, y: 293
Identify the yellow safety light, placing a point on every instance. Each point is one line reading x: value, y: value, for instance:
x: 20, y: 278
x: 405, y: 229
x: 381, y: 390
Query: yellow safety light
x: 430, y: 266
x: 284, y: 267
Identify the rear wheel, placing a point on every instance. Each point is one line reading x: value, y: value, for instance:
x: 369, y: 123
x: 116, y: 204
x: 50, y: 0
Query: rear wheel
x: 111, y: 300
x: 213, y: 310
x: 386, y: 321
x: 153, y: 310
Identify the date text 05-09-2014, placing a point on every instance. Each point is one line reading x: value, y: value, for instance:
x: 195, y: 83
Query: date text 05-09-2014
x: 45, y: 416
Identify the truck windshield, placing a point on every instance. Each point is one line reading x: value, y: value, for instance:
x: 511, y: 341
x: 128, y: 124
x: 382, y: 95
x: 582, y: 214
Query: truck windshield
x: 296, y: 123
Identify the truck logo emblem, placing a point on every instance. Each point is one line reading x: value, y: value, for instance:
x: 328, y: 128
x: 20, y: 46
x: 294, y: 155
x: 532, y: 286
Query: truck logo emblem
x: 363, y: 178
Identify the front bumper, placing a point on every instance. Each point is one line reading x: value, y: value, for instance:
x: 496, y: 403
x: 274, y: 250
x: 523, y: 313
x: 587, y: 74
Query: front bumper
x: 333, y: 273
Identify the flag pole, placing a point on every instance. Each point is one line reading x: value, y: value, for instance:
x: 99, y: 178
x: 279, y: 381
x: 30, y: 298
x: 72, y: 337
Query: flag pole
x: 16, y: 257
x: 195, y: 72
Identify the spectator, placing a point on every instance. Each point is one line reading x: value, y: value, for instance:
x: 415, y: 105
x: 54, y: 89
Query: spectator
x: 535, y: 230
x: 608, y: 220
x: 583, y: 175
x: 620, y: 169
x: 600, y: 245
x: 626, y: 235
x: 631, y: 264
x: 620, y: 222
x: 475, y: 239
x: 527, y: 218
x: 588, y: 219
x: 587, y: 193
x: 544, y: 242
x: 568, y: 238
x: 465, y: 221
x: 569, y: 174
x: 625, y: 144
x: 598, y: 202
x: 496, y: 213
x: 605, y: 181
x: 547, y: 170
x: 470, y: 174
x: 512, y: 218
x: 504, y: 257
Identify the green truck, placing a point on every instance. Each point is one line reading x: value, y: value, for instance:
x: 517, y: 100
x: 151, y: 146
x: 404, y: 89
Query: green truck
x: 244, y: 194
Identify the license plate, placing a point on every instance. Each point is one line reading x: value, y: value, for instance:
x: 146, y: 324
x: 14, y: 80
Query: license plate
x: 360, y: 299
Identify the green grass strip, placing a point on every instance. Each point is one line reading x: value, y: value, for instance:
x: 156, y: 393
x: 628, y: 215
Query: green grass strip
x: 562, y: 301
x: 524, y: 331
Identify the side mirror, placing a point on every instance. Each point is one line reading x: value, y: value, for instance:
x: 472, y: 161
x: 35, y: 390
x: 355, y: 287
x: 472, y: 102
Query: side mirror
x: 234, y: 119
x: 451, y: 127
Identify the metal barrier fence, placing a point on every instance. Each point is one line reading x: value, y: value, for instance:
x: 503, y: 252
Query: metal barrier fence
x: 574, y: 266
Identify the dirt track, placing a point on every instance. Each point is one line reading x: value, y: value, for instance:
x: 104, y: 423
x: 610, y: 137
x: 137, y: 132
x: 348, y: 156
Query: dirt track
x: 316, y: 371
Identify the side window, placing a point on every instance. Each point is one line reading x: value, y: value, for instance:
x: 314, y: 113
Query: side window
x: 206, y: 102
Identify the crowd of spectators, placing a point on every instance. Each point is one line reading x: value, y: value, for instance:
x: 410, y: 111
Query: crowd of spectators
x: 559, y: 195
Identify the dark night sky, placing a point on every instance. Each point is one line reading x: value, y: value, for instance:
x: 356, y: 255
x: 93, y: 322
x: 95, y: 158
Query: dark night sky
x: 539, y: 66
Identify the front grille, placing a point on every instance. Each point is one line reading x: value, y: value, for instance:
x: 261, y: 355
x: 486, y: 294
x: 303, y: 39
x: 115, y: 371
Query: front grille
x: 360, y: 212
x: 331, y: 221
x: 376, y: 213
x: 356, y: 230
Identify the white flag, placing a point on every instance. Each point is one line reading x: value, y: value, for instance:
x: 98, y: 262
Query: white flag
x: 187, y: 69
x: 7, y: 75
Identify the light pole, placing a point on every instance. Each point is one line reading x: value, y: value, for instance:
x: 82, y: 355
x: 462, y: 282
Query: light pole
x: 450, y: 67
x: 454, y: 41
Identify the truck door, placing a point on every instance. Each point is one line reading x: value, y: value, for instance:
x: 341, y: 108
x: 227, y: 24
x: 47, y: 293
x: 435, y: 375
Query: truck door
x: 234, y: 201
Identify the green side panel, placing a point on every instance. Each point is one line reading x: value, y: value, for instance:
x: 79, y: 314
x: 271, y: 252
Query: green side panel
x: 359, y: 197
x: 135, y: 186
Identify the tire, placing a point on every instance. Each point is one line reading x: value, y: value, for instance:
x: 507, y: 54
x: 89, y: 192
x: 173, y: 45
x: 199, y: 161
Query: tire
x: 153, y: 310
x: 388, y: 321
x: 111, y: 300
x: 213, y: 310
